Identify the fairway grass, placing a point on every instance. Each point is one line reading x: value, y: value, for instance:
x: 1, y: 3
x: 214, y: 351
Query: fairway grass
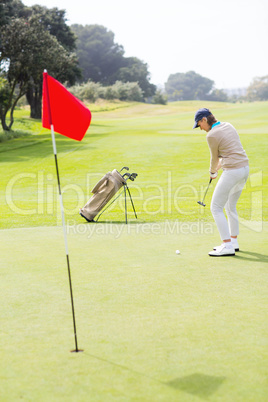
x: 154, y: 326
x: 157, y: 142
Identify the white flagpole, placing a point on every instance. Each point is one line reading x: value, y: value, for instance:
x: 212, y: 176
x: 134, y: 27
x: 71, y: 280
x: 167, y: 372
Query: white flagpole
x: 60, y: 195
x: 65, y: 236
x: 62, y: 216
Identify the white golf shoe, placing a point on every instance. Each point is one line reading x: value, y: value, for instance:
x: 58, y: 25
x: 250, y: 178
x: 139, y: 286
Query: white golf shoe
x: 222, y: 251
x: 234, y: 244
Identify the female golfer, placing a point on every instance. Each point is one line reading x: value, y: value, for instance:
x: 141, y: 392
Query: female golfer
x: 227, y: 153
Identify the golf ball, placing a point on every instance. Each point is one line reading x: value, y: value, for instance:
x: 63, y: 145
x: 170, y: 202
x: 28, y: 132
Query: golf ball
x: 177, y: 251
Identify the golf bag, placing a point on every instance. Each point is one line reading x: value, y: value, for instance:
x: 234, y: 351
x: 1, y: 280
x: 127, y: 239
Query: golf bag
x: 103, y: 192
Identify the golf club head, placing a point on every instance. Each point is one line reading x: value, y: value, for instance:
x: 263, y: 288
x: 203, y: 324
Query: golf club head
x: 133, y: 176
x: 125, y: 167
x: 126, y: 174
x: 201, y: 203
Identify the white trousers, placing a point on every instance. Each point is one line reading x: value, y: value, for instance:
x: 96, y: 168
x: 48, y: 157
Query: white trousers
x: 226, y: 195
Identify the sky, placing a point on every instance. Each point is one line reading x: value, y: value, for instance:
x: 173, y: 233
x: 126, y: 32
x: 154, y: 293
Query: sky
x: 225, y: 41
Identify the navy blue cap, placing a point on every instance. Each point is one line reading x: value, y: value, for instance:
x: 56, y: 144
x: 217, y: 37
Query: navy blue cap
x: 200, y: 114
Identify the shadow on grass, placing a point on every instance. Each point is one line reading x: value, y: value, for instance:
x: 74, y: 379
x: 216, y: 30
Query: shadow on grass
x: 26, y: 145
x: 197, y: 384
x: 131, y: 221
x: 10, y: 135
x: 250, y: 256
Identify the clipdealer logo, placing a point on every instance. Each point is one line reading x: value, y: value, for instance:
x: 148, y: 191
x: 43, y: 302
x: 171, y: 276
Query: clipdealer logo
x: 153, y: 198
x: 255, y: 187
x: 162, y: 228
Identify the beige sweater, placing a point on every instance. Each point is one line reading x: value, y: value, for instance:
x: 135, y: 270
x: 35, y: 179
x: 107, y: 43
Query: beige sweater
x: 226, y: 150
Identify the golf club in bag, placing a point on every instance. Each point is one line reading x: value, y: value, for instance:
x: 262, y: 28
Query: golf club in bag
x: 104, y: 191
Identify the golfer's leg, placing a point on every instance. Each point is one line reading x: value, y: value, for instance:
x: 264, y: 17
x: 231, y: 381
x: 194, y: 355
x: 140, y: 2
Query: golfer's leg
x: 219, y: 200
x: 232, y: 214
x: 230, y: 207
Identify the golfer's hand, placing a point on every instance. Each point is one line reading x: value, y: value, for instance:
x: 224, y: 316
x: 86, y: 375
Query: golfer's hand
x: 213, y: 175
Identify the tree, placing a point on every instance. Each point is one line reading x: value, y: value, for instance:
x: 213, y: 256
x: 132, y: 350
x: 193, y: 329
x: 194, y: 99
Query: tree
x: 5, y: 95
x: 99, y: 56
x: 217, y: 95
x: 137, y: 71
x: 102, y: 60
x: 258, y: 89
x: 188, y: 86
x: 10, y: 8
x: 52, y: 21
x: 26, y: 50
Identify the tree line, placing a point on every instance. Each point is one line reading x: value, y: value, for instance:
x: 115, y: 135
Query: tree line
x: 84, y: 58
x: 192, y: 86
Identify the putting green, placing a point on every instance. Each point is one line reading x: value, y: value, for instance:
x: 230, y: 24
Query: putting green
x: 153, y: 325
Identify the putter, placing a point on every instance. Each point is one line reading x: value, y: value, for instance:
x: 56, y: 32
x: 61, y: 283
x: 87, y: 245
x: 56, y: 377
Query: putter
x: 202, y: 203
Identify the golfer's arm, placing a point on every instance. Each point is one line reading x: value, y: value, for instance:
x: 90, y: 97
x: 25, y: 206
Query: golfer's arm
x: 214, y: 155
x: 219, y: 164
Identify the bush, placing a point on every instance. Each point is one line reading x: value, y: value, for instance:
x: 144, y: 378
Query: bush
x: 91, y: 91
x: 217, y: 95
x: 109, y: 93
x: 159, y: 98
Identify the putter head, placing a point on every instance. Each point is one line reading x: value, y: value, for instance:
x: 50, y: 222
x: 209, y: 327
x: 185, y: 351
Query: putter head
x: 201, y: 203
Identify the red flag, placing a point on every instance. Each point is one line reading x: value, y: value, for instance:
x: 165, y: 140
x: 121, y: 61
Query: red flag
x: 69, y: 116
